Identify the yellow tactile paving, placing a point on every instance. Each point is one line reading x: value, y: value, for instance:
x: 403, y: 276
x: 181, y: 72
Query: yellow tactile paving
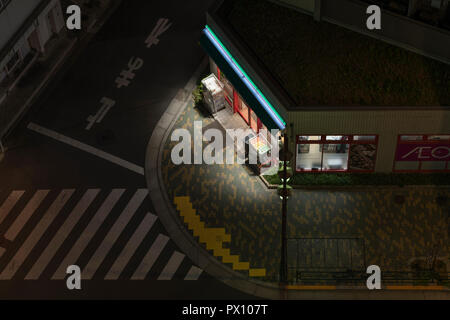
x: 213, y: 238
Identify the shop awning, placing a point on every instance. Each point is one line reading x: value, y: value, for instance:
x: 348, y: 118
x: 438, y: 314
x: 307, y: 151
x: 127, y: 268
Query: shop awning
x: 241, y: 81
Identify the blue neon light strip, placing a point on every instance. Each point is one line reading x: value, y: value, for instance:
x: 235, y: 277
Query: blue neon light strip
x: 247, y: 81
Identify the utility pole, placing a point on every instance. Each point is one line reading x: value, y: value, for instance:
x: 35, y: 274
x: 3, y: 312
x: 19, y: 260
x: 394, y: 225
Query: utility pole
x: 284, y: 191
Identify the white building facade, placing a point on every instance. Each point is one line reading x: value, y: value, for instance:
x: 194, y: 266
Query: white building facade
x: 26, y: 27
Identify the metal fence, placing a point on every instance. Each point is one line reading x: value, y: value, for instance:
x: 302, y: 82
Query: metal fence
x: 341, y: 261
x: 352, y: 277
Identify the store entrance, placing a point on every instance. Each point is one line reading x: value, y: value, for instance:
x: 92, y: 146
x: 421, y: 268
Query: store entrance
x: 239, y: 115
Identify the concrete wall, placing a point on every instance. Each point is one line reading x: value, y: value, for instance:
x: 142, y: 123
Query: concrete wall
x: 12, y: 17
x: 45, y: 31
x: 388, y: 124
x: 41, y: 24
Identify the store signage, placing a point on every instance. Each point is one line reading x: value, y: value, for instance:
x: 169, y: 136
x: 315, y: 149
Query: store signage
x: 244, y: 78
x: 423, y: 152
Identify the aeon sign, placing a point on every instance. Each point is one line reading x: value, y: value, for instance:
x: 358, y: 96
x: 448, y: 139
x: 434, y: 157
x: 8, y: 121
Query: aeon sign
x: 423, y: 152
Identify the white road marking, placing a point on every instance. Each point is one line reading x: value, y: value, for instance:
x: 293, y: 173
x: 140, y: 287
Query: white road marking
x: 89, y: 149
x: 107, y: 104
x: 62, y: 234
x: 150, y: 258
x: 171, y: 266
x: 88, y: 233
x: 15, y: 263
x: 9, y: 203
x: 131, y: 247
x: 26, y: 214
x: 193, y: 274
x: 114, y: 233
x: 161, y: 27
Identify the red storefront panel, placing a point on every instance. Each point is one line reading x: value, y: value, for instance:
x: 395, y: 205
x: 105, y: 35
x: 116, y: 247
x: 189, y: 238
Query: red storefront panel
x: 423, y: 152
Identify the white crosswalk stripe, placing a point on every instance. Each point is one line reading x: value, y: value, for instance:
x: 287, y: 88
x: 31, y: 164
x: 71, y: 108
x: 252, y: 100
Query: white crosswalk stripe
x: 62, y: 234
x: 114, y: 233
x: 89, y: 232
x: 37, y: 233
x: 26, y: 214
x: 9, y: 203
x: 171, y: 266
x: 150, y: 258
x: 193, y: 274
x: 131, y: 247
x: 69, y: 208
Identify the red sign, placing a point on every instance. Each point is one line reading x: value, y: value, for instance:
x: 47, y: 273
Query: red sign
x: 423, y: 151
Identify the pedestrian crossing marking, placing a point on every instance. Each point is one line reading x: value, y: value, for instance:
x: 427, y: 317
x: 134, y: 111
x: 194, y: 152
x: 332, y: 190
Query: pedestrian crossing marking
x: 36, y: 235
x: 114, y: 233
x: 77, y: 205
x: 26, y: 214
x: 213, y: 238
x: 62, y: 234
x: 194, y: 273
x: 131, y: 247
x: 150, y: 258
x: 9, y: 204
x: 88, y: 233
x: 171, y: 266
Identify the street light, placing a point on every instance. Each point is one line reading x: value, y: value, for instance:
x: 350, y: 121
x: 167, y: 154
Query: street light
x: 284, y: 191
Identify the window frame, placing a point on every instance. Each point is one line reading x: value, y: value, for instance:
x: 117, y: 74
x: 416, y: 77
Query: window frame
x: 350, y: 141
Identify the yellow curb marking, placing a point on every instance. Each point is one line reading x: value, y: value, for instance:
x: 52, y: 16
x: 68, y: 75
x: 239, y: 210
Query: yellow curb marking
x: 213, y: 237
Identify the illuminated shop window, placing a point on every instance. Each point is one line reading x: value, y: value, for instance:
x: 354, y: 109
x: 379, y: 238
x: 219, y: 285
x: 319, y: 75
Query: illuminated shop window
x: 364, y: 138
x: 335, y: 156
x: 328, y: 153
x: 310, y: 138
x: 439, y: 137
x: 411, y: 138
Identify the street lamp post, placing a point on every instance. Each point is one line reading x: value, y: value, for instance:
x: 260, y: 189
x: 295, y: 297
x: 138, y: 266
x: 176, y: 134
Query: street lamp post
x: 284, y: 191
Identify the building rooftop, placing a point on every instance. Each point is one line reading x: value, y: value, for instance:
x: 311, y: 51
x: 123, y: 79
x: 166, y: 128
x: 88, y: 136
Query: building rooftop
x: 321, y: 64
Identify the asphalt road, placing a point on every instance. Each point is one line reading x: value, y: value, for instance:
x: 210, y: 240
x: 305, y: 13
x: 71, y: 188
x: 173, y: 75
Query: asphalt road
x: 37, y: 240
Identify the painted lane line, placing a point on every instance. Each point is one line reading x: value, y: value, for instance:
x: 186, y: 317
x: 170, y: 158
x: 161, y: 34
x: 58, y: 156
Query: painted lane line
x: 9, y: 203
x: 193, y: 274
x: 87, y: 235
x: 63, y: 232
x: 171, y: 266
x: 26, y: 214
x: 87, y: 148
x: 114, y: 233
x: 20, y: 256
x: 131, y: 247
x: 150, y: 258
x: 107, y: 104
x: 161, y: 27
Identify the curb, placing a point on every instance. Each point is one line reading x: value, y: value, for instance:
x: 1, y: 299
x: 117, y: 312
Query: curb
x: 201, y: 257
x: 357, y: 187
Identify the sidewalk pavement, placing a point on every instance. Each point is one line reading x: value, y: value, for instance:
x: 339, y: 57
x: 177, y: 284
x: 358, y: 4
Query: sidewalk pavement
x: 229, y: 223
x: 37, y: 75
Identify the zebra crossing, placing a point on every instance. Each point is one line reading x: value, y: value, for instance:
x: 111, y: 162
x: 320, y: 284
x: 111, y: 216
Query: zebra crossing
x: 109, y: 233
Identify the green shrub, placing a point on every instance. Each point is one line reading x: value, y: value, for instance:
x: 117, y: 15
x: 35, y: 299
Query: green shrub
x: 197, y: 95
